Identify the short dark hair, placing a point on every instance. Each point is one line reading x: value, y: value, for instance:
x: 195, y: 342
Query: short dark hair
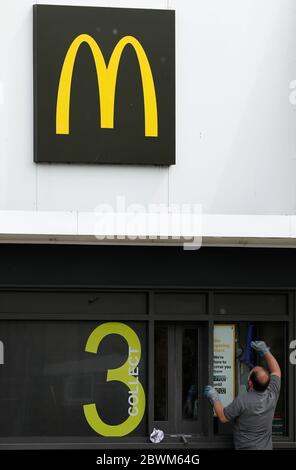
x: 257, y: 384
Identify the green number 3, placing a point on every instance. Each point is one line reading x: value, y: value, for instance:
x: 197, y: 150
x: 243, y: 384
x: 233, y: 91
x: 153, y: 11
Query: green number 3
x: 127, y: 374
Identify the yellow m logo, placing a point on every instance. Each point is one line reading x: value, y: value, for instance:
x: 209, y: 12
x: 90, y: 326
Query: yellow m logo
x: 107, y: 77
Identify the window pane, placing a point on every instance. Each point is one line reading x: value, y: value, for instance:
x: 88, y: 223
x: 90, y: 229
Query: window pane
x: 48, y: 376
x: 111, y: 303
x: 274, y: 334
x: 251, y: 304
x: 189, y: 373
x: 182, y: 304
x: 275, y: 337
x: 161, y: 374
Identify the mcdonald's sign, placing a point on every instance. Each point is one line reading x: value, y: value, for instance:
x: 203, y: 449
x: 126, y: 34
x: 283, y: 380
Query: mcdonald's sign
x: 104, y: 85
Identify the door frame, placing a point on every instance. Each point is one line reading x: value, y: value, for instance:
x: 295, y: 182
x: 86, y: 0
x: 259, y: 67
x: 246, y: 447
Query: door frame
x: 175, y: 425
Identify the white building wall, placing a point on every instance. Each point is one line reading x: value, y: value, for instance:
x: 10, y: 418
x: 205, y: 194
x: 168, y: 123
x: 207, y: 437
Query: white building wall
x: 236, y: 127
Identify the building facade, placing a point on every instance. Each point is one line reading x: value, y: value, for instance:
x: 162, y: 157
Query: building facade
x: 104, y: 334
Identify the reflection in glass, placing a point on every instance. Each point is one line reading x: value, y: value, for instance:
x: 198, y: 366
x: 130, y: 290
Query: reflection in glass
x: 161, y: 374
x: 48, y: 377
x: 189, y: 373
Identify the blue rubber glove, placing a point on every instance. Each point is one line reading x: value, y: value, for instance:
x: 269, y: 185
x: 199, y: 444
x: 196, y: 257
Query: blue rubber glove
x: 211, y: 394
x: 260, y: 347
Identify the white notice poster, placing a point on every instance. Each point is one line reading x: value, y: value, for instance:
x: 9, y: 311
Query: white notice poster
x: 224, y: 362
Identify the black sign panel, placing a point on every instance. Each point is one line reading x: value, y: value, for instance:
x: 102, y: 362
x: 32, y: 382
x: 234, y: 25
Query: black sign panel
x: 104, y: 85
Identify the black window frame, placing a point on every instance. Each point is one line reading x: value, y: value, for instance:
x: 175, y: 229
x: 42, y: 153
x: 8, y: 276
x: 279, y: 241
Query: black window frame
x: 150, y: 317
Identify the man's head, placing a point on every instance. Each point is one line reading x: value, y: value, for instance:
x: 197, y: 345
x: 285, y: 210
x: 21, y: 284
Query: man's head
x: 258, y: 379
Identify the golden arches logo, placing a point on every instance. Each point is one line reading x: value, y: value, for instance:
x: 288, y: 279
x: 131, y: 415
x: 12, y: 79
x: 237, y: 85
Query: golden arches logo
x: 107, y: 77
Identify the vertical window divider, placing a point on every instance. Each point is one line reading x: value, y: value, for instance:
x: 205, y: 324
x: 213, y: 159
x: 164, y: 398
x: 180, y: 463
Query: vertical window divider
x: 150, y: 396
x: 292, y: 375
x: 209, y: 418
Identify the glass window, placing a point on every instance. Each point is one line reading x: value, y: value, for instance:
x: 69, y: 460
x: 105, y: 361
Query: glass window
x: 189, y: 373
x: 110, y: 303
x: 274, y: 334
x: 161, y: 374
x: 251, y: 304
x: 180, y: 304
x: 178, y: 368
x: 48, y: 377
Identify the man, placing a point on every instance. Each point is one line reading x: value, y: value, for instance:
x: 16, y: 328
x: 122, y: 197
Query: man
x: 252, y: 412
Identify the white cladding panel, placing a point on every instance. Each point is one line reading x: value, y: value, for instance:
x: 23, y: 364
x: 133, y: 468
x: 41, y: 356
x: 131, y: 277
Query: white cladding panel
x: 236, y: 127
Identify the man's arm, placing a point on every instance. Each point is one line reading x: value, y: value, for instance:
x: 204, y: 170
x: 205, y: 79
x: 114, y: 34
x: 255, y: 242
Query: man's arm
x: 272, y: 364
x: 230, y: 412
x: 264, y: 351
x: 219, y: 410
x: 212, y: 395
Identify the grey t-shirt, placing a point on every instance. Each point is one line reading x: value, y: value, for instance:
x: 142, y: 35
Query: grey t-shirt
x: 253, y: 413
